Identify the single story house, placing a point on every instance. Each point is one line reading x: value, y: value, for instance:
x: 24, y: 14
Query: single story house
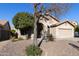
x: 57, y: 28
x: 4, y: 30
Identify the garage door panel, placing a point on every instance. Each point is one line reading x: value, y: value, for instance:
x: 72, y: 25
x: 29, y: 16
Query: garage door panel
x: 64, y: 33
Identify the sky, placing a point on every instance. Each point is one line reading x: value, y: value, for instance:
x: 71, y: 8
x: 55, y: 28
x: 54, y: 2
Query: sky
x: 9, y: 10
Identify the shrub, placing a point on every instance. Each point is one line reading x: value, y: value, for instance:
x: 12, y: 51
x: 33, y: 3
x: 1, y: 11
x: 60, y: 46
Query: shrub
x: 14, y: 40
x: 33, y: 50
x: 77, y: 28
x: 13, y: 31
x: 20, y: 38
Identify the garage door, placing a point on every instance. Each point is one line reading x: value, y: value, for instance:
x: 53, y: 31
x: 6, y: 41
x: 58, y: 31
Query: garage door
x: 65, y: 33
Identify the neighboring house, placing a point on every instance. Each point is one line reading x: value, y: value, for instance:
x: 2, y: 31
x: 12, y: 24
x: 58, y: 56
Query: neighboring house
x: 57, y: 29
x: 4, y: 30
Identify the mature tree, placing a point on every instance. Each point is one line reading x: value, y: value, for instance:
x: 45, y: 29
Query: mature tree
x: 41, y: 9
x: 22, y: 20
x: 77, y: 28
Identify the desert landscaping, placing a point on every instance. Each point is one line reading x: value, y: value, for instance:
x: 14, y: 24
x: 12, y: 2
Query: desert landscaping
x: 40, y: 32
x: 54, y: 48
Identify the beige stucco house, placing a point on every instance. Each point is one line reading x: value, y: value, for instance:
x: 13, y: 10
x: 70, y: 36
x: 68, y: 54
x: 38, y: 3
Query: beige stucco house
x: 4, y: 30
x: 57, y: 28
x: 62, y: 30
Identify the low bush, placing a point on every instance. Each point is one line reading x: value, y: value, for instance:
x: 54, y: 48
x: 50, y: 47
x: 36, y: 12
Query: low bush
x: 14, y: 34
x: 20, y: 38
x: 14, y: 40
x: 33, y: 50
x: 13, y: 31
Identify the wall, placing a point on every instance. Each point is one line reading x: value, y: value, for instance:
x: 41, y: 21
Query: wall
x: 46, y: 22
x: 53, y: 32
x: 51, y: 20
x: 65, y: 26
x: 5, y: 32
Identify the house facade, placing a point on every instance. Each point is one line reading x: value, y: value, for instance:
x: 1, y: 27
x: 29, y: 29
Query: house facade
x: 4, y: 30
x: 57, y: 28
x: 62, y: 30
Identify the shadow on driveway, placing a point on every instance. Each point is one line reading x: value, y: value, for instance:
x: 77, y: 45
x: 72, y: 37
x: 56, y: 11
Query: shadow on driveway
x: 74, y: 46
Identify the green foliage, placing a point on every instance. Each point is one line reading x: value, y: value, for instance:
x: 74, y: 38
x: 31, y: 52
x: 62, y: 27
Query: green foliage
x: 77, y: 28
x: 33, y: 50
x: 20, y: 38
x: 14, y: 40
x: 13, y: 31
x: 22, y: 20
x: 14, y: 34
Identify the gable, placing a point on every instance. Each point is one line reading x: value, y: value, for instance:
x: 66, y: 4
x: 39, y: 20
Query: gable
x: 5, y: 25
x: 52, y: 20
x: 65, y: 25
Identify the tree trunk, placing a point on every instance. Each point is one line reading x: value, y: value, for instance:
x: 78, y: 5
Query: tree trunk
x: 35, y: 32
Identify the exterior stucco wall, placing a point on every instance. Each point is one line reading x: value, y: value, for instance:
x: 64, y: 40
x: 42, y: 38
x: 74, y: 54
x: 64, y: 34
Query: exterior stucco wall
x: 7, y: 26
x: 67, y: 30
x: 53, y: 32
x: 63, y: 31
x: 46, y: 22
x: 51, y: 20
x: 4, y: 32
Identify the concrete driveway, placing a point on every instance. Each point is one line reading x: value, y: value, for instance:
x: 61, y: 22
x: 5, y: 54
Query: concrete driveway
x: 3, y: 43
x: 51, y: 48
x: 60, y: 48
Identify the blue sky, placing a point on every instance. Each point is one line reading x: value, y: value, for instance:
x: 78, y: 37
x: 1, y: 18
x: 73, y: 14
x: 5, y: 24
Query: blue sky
x: 8, y: 10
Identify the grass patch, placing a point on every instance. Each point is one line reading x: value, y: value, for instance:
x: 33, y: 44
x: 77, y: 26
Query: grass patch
x: 33, y: 50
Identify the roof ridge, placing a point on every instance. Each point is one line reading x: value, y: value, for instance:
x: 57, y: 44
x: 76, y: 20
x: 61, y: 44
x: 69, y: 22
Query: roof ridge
x: 62, y: 23
x: 52, y: 17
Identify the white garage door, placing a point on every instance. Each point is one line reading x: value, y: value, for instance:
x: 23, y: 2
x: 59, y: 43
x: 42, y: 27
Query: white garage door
x: 65, y: 33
